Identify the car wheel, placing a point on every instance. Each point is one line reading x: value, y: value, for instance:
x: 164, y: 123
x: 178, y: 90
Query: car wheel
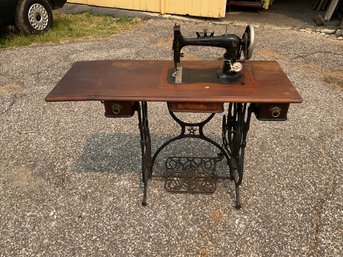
x: 33, y: 16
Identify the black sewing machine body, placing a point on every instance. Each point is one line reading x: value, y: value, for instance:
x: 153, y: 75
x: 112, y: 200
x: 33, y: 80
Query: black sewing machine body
x: 231, y: 71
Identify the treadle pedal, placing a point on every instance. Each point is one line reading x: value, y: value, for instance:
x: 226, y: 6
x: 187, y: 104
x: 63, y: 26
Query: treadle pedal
x: 191, y: 174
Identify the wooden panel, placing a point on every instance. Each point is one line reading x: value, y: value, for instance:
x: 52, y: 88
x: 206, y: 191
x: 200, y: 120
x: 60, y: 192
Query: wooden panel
x: 196, y: 107
x: 271, y: 111
x: 264, y: 82
x: 201, y: 8
x: 119, y: 109
x: 141, y: 5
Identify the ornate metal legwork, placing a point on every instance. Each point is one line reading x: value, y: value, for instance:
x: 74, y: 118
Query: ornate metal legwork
x: 191, y: 174
x: 197, y: 174
x: 191, y: 130
x: 145, y: 142
x: 235, y: 127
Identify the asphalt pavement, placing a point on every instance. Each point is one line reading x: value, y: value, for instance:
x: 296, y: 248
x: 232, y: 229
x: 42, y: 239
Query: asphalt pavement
x: 70, y: 178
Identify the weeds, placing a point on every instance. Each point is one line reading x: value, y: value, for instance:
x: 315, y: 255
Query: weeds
x: 69, y: 27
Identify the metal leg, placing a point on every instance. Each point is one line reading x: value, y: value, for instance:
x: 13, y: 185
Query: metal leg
x: 145, y: 142
x: 235, y: 128
x: 189, y: 174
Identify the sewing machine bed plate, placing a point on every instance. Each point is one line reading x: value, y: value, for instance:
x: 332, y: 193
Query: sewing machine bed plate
x: 127, y: 80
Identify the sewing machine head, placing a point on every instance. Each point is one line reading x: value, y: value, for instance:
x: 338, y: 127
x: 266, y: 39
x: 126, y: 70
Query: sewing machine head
x: 231, y: 70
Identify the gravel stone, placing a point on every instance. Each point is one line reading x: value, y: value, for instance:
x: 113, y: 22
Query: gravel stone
x: 70, y: 180
x: 339, y: 32
x: 328, y: 31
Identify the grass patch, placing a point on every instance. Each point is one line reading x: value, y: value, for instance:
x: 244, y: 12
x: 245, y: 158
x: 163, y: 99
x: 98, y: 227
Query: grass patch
x: 70, y: 27
x: 333, y: 80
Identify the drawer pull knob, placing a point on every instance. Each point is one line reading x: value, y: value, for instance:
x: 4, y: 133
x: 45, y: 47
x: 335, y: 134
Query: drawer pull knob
x: 116, y: 108
x: 276, y: 111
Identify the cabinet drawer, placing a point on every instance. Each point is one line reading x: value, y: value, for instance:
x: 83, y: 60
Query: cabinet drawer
x: 196, y: 107
x: 120, y: 109
x: 271, y: 111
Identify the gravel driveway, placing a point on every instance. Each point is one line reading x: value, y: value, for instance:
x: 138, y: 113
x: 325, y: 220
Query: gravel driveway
x: 70, y: 178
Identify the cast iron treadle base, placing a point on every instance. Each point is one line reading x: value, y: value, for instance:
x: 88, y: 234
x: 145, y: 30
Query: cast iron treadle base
x: 191, y: 174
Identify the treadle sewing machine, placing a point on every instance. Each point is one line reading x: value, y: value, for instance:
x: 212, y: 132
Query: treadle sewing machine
x: 127, y: 86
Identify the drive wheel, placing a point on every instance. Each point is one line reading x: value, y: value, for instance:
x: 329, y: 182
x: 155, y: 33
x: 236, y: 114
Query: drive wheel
x: 33, y: 16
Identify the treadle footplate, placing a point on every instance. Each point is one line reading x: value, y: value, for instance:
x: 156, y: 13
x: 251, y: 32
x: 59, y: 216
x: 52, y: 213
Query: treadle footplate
x: 195, y: 175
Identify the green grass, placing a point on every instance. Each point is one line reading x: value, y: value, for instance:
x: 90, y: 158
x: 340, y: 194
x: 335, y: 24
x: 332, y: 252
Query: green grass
x: 334, y: 80
x: 70, y: 27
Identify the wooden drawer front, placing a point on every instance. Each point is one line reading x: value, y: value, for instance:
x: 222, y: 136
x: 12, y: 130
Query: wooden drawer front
x: 271, y: 111
x: 119, y: 109
x: 196, y: 107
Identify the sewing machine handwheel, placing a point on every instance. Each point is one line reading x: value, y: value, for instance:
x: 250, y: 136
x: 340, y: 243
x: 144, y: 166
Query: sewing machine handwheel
x: 249, y: 41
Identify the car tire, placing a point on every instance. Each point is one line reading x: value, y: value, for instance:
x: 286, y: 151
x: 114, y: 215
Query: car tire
x: 33, y: 16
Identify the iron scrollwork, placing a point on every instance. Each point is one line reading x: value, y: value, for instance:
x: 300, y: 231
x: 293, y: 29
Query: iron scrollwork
x: 235, y: 128
x: 197, y: 174
x: 145, y: 142
x: 191, y: 174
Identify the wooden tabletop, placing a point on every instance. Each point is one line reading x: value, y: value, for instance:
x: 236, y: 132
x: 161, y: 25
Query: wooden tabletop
x: 127, y: 80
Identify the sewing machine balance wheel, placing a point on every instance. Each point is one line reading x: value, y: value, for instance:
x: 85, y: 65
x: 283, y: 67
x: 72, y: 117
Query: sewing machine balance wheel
x: 248, y: 41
